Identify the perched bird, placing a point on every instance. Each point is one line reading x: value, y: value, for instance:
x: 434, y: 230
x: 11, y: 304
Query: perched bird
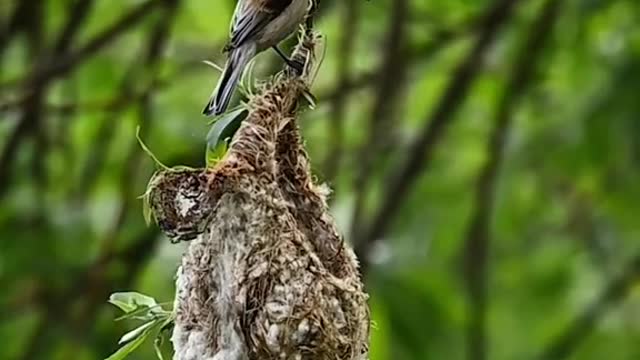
x: 256, y: 26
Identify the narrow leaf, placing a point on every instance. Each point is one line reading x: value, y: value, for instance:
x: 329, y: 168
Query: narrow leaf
x: 135, y: 333
x: 225, y: 127
x: 216, y: 154
x: 128, y: 348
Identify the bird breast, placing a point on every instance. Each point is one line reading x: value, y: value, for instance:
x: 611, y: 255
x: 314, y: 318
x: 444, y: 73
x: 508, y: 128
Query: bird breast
x: 283, y: 25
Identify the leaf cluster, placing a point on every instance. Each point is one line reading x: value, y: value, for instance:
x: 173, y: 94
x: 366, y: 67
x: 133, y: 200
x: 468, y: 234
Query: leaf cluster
x: 156, y: 322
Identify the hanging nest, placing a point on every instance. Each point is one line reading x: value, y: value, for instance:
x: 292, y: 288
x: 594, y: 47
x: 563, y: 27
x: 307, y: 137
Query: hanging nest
x: 266, y: 275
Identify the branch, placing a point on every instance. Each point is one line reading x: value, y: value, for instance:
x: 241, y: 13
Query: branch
x: 351, y: 17
x: 62, y: 65
x: 92, y: 282
x: 35, y: 85
x: 155, y: 46
x: 15, y: 23
x: 477, y: 244
x: 414, y: 54
x: 76, y: 18
x: 392, y: 71
x: 563, y: 345
x: 421, y: 151
x: 32, y: 107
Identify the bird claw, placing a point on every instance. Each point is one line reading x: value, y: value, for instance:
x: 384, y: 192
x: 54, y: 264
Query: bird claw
x: 297, y: 66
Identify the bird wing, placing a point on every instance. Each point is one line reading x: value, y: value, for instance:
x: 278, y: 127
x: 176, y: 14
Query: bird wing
x: 251, y: 16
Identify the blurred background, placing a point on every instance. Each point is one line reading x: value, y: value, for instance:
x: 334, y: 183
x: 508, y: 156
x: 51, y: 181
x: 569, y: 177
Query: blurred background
x: 484, y: 156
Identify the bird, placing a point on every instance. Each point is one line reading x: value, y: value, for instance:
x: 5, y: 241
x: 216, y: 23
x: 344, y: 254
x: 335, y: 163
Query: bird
x: 256, y: 26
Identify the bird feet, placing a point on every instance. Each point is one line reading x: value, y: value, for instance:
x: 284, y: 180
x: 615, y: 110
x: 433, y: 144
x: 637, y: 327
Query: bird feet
x: 294, y: 64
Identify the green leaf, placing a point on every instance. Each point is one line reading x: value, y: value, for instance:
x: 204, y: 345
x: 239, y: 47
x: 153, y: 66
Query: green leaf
x: 226, y: 126
x: 216, y: 154
x: 221, y: 133
x: 137, y: 332
x: 148, y: 313
x: 129, y: 347
x: 131, y: 301
x: 136, y: 337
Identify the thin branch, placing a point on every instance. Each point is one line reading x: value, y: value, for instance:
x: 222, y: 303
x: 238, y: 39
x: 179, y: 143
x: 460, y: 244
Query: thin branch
x: 421, y: 151
x: 346, y: 49
x: 156, y: 44
x: 32, y: 107
x: 563, y: 345
x: 62, y: 65
x: 96, y: 154
x: 77, y: 16
x: 413, y: 53
x: 391, y: 75
x: 92, y: 282
x: 35, y: 85
x: 15, y: 23
x: 477, y: 244
x: 106, y: 105
x: 354, y: 83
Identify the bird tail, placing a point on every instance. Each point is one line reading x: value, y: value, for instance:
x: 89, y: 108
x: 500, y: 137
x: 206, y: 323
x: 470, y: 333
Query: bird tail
x: 238, y: 60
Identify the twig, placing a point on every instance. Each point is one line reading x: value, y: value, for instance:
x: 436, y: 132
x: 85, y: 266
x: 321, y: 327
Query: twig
x: 15, y: 23
x: 64, y: 64
x: 103, y: 106
x: 477, y: 244
x: 76, y: 18
x: 92, y: 281
x: 421, y: 151
x: 32, y: 107
x: 156, y: 43
x: 350, y: 20
x: 413, y: 53
x: 391, y: 74
x: 35, y: 84
x: 106, y: 130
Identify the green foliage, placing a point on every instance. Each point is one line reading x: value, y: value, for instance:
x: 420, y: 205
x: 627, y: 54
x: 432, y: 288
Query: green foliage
x: 221, y: 133
x: 156, y: 322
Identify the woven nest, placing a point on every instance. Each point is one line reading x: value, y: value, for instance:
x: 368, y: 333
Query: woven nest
x: 266, y: 276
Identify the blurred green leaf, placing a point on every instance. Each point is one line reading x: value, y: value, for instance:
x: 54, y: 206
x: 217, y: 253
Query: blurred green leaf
x: 131, y: 301
x: 222, y: 132
x: 127, y: 349
x: 135, y: 333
